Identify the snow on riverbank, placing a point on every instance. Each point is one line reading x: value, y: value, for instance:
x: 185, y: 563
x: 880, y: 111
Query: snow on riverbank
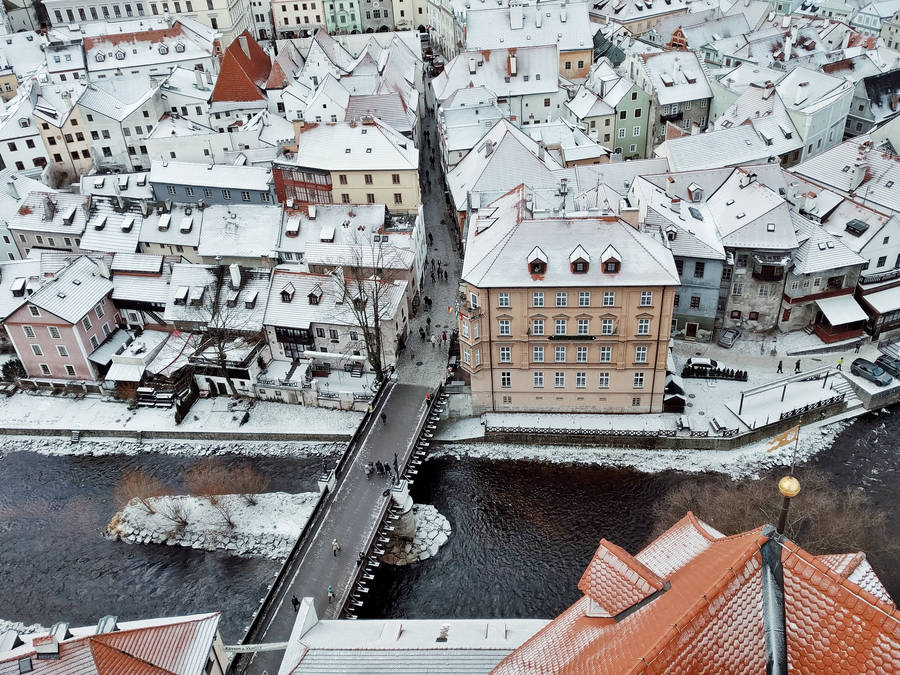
x: 268, y: 528
x: 747, y: 460
x: 122, y: 446
x: 220, y: 414
x: 21, y: 627
x: 432, y: 531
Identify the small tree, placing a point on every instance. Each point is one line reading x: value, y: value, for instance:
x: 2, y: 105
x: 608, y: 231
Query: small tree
x: 248, y: 483
x: 226, y: 510
x: 13, y: 370
x: 208, y: 478
x: 140, y: 485
x: 177, y: 511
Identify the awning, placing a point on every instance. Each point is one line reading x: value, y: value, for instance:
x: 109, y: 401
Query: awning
x: 125, y: 372
x: 884, y: 301
x: 842, y: 309
x: 104, y: 353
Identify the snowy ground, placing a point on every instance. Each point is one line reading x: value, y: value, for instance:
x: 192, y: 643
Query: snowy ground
x: 218, y: 414
x: 117, y: 446
x: 268, y: 528
x: 21, y: 627
x: 745, y: 461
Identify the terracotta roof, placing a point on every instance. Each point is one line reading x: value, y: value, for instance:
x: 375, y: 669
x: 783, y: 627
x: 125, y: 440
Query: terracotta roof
x: 709, y: 616
x: 243, y: 73
x: 615, y: 580
x: 277, y: 79
x: 154, y: 36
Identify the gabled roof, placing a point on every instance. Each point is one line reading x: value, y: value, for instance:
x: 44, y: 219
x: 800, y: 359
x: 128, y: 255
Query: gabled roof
x: 244, y: 71
x: 74, y: 290
x: 708, y: 616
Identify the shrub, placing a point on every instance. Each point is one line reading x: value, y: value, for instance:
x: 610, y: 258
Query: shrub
x: 140, y: 485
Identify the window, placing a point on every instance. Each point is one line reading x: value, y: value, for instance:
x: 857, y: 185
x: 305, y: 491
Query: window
x: 464, y: 329
x: 368, y: 178
x: 320, y: 332
x: 395, y: 178
x: 635, y: 131
x: 31, y: 308
x: 699, y: 270
x: 695, y: 302
x: 170, y: 189
x: 735, y: 314
x: 537, y: 354
x: 546, y: 102
x: 475, y: 330
x: 559, y: 354
x: 503, y: 299
x: 562, y: 299
x: 98, y: 310
x: 226, y: 194
x: 538, y: 378
x: 764, y: 291
x: 679, y: 267
x: 467, y: 356
x: 245, y: 196
x: 882, y: 261
x: 45, y: 369
x: 29, y: 331
x: 643, y: 327
x: 560, y: 326
x: 473, y: 300
x: 584, y: 326
x: 623, y: 114
x: 505, y: 355
x: 354, y: 335
x: 537, y: 299
x: 332, y: 333
x: 584, y: 299
x: 580, y: 379
x: 636, y: 401
x: 36, y: 350
x: 54, y: 332
x: 646, y: 298
x: 621, y: 133
x: 640, y: 355
x: 603, y: 380
x: 504, y: 326
x: 606, y: 326
x: 345, y: 198
x: 398, y: 198
x: 477, y: 357
x: 638, y: 380
x: 609, y: 298
x: 505, y: 379
x: 581, y: 354
x: 370, y: 198
x: 342, y: 179
x: 741, y: 260
x: 737, y: 289
x: 754, y: 316
x: 537, y: 327
x: 86, y: 322
x: 62, y: 350
x: 605, y: 354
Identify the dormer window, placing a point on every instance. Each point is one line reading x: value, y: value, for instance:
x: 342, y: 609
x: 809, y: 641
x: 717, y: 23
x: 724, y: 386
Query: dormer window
x: 163, y: 50
x: 287, y: 292
x: 579, y: 260
x: 671, y: 234
x: 537, y: 261
x: 611, y: 260
x: 315, y: 296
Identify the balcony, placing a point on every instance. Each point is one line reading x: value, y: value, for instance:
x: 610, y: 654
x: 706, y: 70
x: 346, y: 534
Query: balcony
x: 674, y: 117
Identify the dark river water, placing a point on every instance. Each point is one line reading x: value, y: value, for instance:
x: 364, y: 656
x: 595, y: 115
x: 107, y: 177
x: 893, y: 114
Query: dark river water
x: 523, y: 533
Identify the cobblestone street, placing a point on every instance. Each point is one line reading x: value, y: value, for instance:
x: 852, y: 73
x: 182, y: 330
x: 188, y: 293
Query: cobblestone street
x: 420, y: 363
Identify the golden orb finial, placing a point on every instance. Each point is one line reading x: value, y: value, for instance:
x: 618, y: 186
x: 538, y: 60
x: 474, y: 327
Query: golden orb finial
x: 789, y: 486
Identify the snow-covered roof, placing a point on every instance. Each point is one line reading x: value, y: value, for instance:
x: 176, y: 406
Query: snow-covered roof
x: 587, y: 104
x: 809, y: 90
x: 750, y: 215
x: 724, y: 147
x: 344, y: 225
x: 238, y: 231
x: 165, y: 226
x: 109, y: 230
x: 58, y: 212
x: 819, y: 249
x: 676, y: 76
x: 74, y: 290
x: 347, y: 146
x: 117, y: 98
x: 164, y: 46
x: 502, y: 235
x: 193, y: 287
x: 211, y: 175
x: 14, y: 275
x: 130, y: 185
x: 500, y: 27
x: 763, y: 109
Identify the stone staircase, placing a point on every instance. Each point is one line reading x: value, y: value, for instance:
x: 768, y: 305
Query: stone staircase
x: 841, y: 385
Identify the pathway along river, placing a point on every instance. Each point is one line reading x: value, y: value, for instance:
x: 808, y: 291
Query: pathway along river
x: 523, y: 533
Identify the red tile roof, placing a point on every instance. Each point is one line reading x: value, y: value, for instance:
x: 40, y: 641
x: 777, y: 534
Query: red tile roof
x: 243, y: 73
x: 153, y: 36
x: 616, y: 581
x: 709, y: 616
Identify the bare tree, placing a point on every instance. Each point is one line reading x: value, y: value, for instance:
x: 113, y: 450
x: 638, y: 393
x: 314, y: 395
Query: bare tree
x: 208, y: 478
x: 176, y: 510
x: 140, y: 485
x: 226, y: 510
x: 249, y: 483
x: 821, y: 519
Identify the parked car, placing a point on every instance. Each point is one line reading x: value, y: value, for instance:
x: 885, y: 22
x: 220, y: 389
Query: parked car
x: 701, y: 363
x: 728, y: 337
x: 890, y: 364
x: 869, y: 371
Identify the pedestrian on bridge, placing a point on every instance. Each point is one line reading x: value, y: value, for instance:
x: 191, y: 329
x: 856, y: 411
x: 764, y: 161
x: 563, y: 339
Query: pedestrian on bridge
x: 433, y: 340
x: 368, y: 469
x: 384, y: 418
x: 330, y: 594
x: 296, y: 603
x: 335, y: 547
x: 840, y: 365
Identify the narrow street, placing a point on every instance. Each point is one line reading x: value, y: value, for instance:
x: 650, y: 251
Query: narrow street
x: 349, y: 518
x: 421, y: 363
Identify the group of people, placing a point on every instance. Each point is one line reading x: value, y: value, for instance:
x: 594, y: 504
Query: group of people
x: 439, y: 271
x: 381, y: 468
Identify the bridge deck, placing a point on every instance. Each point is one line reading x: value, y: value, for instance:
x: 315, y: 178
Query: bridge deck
x: 350, y: 518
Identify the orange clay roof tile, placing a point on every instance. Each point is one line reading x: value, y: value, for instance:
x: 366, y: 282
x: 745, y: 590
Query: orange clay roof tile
x: 616, y: 581
x: 710, y: 617
x: 241, y: 76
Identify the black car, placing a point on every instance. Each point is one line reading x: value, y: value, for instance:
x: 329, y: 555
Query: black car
x: 890, y: 364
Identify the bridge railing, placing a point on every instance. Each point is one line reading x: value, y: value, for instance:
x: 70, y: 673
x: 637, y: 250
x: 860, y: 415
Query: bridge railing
x: 242, y: 661
x: 370, y: 542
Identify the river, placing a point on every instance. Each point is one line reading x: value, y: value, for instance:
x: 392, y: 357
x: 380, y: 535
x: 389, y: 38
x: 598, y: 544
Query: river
x: 523, y: 533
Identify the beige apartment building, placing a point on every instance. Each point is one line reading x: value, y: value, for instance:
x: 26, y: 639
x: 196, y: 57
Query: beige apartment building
x: 64, y: 134
x: 564, y: 313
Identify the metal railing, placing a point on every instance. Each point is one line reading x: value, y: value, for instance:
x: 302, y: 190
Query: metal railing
x: 631, y: 433
x: 809, y: 407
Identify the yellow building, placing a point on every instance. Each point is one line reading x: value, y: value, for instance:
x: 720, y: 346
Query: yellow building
x: 564, y: 313
x: 9, y: 84
x: 63, y: 133
x: 350, y: 163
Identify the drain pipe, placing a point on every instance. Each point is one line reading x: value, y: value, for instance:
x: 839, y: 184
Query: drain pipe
x: 775, y: 633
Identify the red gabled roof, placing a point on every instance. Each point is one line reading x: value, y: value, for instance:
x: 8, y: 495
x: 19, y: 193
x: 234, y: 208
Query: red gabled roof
x: 709, y: 616
x: 615, y: 580
x: 242, y: 74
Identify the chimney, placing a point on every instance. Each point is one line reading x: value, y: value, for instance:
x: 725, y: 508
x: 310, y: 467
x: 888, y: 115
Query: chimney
x: 472, y: 64
x: 198, y: 79
x: 488, y: 148
x: 788, y: 43
x: 859, y: 175
x: 809, y: 202
x: 102, y: 269
x: 13, y: 192
x: 49, y: 208
x: 563, y: 186
x: 538, y: 17
x: 562, y: 13
x: 235, y: 271
x: 676, y: 205
x: 517, y: 15
x: 670, y: 187
x: 541, y: 150
x: 513, y: 69
x: 242, y: 39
